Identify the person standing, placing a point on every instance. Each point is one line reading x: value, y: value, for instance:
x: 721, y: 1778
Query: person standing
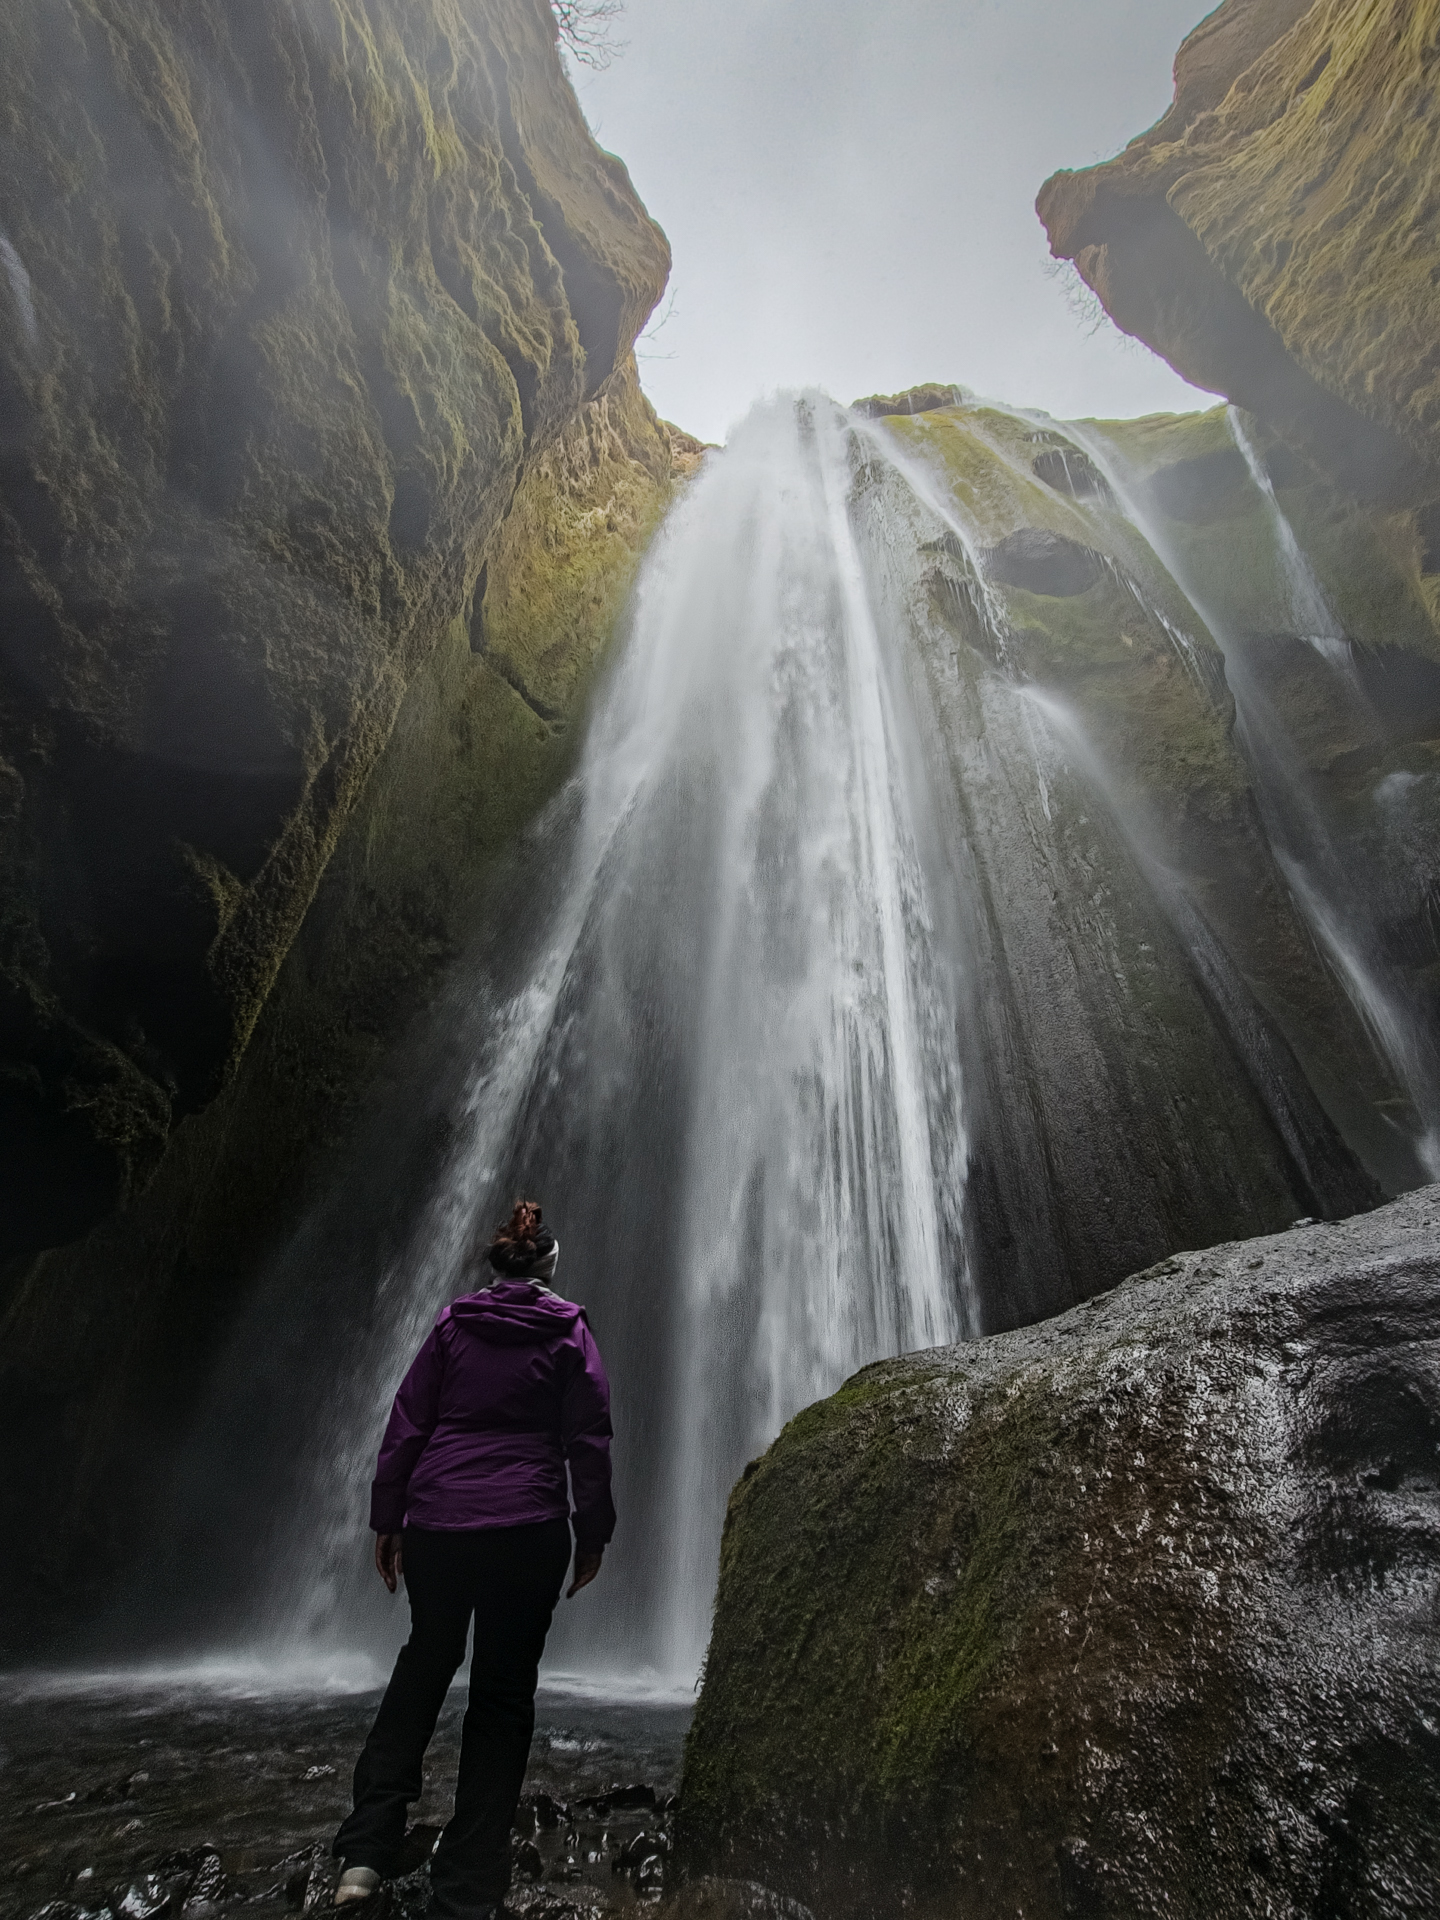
x: 469, y: 1505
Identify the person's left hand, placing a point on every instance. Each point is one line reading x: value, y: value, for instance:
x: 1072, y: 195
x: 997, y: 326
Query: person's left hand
x: 388, y: 1561
x: 587, y: 1565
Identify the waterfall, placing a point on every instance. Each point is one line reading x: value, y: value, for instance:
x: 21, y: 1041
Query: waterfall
x: 1310, y: 611
x: 854, y: 997
x: 732, y: 1076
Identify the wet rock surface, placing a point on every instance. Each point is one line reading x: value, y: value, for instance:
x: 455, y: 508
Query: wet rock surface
x: 1043, y: 562
x: 291, y: 306
x: 1134, y: 1611
x: 924, y: 399
x: 119, y: 1807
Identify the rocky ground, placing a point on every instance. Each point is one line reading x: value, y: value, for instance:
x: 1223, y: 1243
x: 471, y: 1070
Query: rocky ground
x: 115, y: 1806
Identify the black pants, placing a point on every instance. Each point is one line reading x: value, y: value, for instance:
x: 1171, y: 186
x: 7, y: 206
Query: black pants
x: 510, y: 1579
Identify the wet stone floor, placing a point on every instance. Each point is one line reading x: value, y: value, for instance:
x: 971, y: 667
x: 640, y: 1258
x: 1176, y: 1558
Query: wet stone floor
x: 143, y: 1806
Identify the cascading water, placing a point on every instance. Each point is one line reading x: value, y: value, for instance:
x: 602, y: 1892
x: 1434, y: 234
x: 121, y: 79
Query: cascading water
x: 1310, y: 611
x: 850, y: 1000
x: 733, y: 1076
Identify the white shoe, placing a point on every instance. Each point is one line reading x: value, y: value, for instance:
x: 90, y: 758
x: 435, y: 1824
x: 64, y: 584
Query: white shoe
x: 356, y: 1883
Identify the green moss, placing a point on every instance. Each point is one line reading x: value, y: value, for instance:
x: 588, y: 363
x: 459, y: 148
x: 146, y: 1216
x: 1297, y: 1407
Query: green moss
x: 468, y: 763
x: 1274, y: 236
x: 916, y: 1549
x: 301, y: 328
x: 892, y: 1677
x: 566, y: 556
x: 1160, y: 439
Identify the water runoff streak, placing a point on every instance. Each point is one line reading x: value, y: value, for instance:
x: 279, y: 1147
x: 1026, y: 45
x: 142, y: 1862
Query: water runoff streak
x: 731, y: 1076
x: 1330, y: 895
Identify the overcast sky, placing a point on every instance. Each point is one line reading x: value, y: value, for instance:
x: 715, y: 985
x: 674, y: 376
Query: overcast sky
x: 849, y: 186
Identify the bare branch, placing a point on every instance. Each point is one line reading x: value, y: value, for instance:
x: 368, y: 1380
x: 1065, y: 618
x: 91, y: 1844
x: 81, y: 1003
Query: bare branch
x: 654, y: 327
x: 587, y: 30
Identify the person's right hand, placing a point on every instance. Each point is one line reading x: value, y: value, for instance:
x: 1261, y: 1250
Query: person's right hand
x: 587, y: 1565
x: 388, y: 1563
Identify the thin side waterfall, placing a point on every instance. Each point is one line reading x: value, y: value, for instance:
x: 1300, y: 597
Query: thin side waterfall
x: 1329, y: 896
x: 1314, y: 617
x: 732, y: 1076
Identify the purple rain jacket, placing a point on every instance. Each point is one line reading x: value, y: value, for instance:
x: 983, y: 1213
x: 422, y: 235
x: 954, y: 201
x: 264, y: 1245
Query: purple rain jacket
x: 507, y: 1389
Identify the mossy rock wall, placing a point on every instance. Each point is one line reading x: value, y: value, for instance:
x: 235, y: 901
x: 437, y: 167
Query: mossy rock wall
x: 1276, y: 236
x: 1154, y: 1051
x: 1115, y: 1615
x: 294, y: 296
x: 107, y: 1346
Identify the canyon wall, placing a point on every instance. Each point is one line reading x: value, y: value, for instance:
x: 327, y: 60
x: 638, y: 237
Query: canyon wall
x: 1276, y: 235
x: 325, y: 474
x: 294, y: 298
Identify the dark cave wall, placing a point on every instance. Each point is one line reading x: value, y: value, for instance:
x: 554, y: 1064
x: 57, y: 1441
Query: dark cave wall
x: 294, y: 296
x: 324, y: 473
x: 108, y: 1345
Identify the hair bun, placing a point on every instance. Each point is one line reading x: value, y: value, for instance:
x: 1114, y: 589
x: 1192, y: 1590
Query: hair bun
x: 519, y: 1241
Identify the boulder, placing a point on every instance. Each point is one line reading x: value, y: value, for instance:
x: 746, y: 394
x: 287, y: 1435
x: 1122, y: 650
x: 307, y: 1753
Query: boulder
x: 1129, y: 1612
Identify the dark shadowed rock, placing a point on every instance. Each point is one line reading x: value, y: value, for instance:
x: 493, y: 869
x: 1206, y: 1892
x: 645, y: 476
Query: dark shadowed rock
x: 291, y: 306
x: 928, y: 399
x: 1068, y: 470
x: 1210, y: 238
x: 1131, y: 1612
x: 1043, y: 562
x: 171, y: 917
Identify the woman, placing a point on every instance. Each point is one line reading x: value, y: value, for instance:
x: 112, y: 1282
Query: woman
x: 469, y: 1503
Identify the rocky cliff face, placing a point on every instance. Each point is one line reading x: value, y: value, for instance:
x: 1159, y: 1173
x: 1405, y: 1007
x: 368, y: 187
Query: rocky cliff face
x: 1059, y: 640
x: 1127, y: 1613
x: 345, y: 1041
x: 326, y: 472
x: 294, y: 297
x: 1275, y: 235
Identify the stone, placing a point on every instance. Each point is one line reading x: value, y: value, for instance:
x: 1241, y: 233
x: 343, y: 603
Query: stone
x: 1043, y: 562
x: 144, y: 1899
x: 526, y: 1860
x: 926, y: 399
x: 638, y: 1794
x: 199, y: 1872
x: 539, y: 1812
x: 638, y: 1849
x: 1088, y: 1617
x: 1068, y: 470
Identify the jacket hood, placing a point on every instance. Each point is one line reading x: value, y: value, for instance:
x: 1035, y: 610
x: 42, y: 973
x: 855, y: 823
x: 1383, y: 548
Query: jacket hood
x: 515, y: 1313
